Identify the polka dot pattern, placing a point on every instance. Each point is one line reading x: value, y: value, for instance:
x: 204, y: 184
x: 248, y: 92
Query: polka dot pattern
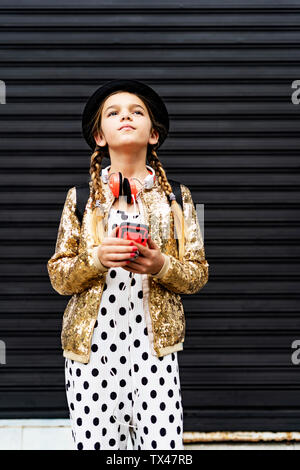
x: 123, y: 383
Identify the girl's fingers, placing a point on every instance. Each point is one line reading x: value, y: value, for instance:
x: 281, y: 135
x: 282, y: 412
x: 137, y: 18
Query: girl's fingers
x: 119, y: 256
x: 115, y: 264
x: 116, y: 241
x: 114, y: 250
x: 122, y: 254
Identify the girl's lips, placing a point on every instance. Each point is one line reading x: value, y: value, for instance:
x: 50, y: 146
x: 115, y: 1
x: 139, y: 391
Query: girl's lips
x: 127, y: 127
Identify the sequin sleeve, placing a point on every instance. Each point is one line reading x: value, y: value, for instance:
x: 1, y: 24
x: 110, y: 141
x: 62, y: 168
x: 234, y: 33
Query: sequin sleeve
x: 71, y: 271
x: 191, y: 274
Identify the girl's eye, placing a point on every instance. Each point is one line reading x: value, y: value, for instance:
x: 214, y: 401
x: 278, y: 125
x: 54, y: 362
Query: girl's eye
x: 116, y: 111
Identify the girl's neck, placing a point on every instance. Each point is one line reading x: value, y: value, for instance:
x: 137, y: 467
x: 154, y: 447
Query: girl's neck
x: 141, y: 175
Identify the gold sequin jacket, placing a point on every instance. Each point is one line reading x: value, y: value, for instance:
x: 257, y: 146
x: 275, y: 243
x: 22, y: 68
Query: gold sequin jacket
x: 75, y: 269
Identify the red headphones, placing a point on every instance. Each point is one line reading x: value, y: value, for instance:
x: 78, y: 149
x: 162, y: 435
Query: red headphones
x: 121, y: 186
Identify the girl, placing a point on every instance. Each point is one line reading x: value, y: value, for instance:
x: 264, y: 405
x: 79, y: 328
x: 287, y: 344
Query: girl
x: 124, y: 324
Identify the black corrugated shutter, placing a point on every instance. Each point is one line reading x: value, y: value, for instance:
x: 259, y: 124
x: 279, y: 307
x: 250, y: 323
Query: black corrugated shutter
x: 225, y: 72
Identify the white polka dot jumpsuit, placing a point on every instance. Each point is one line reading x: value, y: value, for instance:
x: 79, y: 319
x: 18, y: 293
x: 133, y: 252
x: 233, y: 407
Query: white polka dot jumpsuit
x: 124, y: 387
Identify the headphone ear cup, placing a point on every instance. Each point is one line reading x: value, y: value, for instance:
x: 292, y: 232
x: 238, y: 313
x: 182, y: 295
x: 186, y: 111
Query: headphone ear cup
x: 123, y: 187
x: 114, y: 184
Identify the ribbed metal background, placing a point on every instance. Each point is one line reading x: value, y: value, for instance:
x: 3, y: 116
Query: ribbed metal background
x: 225, y: 72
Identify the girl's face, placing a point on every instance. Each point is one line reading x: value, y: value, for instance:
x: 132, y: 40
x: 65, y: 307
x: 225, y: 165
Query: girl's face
x: 121, y: 109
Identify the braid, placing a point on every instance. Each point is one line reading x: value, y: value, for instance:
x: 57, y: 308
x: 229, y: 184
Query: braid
x: 160, y: 173
x: 97, y: 214
x: 175, y: 207
x: 96, y: 160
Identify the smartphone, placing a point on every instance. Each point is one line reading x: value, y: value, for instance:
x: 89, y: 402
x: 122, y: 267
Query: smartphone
x: 132, y: 231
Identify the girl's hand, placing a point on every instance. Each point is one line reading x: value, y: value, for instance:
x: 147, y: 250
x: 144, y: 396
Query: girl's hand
x: 150, y: 260
x: 114, y: 252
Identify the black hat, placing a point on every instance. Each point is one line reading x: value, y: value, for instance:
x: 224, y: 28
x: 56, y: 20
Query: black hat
x: 133, y: 86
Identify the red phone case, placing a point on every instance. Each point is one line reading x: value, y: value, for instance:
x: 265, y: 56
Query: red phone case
x: 132, y: 231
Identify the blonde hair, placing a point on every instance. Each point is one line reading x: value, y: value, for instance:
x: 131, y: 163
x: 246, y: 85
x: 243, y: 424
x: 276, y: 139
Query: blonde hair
x: 95, y: 171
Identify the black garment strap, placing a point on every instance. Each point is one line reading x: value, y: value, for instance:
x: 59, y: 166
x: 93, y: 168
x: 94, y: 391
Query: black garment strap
x: 177, y: 191
x: 83, y: 193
